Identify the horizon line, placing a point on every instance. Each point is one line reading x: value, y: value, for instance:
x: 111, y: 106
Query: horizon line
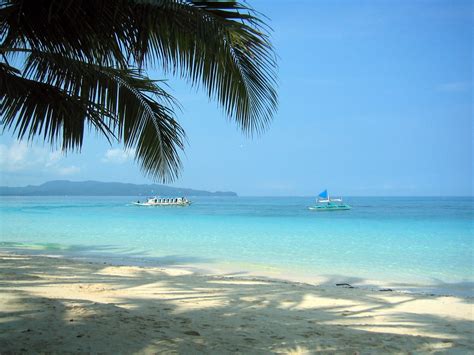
x: 205, y: 189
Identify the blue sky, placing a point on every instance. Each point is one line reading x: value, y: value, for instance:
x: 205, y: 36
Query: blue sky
x: 375, y: 99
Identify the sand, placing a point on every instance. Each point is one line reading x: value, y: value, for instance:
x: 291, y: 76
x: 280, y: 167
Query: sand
x: 56, y: 305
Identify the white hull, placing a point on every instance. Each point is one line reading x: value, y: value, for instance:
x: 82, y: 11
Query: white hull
x: 156, y: 201
x: 161, y: 204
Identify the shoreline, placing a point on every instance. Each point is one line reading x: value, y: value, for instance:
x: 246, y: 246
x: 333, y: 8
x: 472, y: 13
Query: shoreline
x: 463, y: 289
x: 56, y: 304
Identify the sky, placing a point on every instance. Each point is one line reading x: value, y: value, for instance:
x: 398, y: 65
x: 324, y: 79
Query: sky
x: 375, y: 99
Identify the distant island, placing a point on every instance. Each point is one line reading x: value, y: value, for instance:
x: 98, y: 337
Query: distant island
x: 97, y: 188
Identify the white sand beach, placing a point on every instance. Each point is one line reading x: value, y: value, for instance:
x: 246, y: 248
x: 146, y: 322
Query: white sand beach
x: 55, y: 305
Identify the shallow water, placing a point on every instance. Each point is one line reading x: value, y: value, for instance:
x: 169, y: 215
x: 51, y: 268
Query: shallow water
x: 408, y: 241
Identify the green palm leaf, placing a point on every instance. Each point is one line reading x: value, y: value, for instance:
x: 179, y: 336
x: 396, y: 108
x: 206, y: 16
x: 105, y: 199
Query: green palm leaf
x: 83, y: 60
x: 121, y: 103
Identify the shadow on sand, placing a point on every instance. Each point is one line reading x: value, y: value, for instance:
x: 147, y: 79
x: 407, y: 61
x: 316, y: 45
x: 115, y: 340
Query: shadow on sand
x: 103, y: 308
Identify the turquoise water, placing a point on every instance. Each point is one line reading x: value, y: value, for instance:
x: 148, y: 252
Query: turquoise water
x: 403, y: 240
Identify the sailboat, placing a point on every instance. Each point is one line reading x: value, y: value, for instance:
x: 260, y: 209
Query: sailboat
x: 325, y: 203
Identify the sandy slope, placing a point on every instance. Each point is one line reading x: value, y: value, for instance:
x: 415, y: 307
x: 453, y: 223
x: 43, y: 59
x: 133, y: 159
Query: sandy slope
x: 58, y: 305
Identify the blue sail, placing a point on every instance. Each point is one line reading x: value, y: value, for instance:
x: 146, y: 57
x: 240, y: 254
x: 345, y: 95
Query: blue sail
x: 323, y: 194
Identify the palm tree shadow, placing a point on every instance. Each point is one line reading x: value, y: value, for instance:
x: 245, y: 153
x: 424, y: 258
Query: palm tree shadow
x: 105, y: 309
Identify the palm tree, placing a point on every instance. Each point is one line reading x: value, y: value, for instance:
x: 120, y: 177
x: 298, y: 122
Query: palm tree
x: 71, y: 64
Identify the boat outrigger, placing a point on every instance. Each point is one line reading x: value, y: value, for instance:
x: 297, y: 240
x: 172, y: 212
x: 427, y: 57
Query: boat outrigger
x: 156, y: 201
x: 329, y: 204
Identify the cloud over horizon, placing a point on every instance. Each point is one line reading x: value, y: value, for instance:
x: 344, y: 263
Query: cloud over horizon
x: 20, y: 156
x: 118, y: 156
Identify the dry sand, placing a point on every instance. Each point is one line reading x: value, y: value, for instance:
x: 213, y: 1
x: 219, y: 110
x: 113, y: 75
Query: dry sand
x: 55, y: 305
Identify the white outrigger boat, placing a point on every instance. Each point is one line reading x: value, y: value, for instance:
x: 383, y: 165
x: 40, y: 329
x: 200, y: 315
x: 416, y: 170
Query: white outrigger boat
x: 156, y: 201
x: 329, y: 204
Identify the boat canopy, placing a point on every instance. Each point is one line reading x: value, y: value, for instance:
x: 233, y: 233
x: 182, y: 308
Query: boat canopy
x: 324, y: 197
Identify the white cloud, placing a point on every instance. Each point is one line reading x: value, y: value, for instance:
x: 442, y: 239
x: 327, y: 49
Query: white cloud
x: 54, y: 158
x: 118, y: 156
x: 19, y: 156
x: 12, y: 158
x: 69, y: 170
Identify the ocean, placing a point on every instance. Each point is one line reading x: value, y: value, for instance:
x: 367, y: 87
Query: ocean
x: 407, y: 243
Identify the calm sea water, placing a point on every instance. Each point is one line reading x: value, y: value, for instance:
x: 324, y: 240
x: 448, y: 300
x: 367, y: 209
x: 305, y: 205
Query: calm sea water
x: 407, y: 241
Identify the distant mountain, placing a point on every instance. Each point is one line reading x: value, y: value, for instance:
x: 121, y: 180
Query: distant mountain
x: 97, y: 188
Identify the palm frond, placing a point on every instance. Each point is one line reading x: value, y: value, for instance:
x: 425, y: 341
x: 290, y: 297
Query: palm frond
x: 84, y: 30
x: 227, y: 52
x: 122, y: 103
x: 30, y: 108
x: 84, y: 65
x: 222, y: 46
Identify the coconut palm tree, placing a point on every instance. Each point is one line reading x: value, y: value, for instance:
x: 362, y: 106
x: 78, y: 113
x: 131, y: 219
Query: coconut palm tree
x: 68, y: 65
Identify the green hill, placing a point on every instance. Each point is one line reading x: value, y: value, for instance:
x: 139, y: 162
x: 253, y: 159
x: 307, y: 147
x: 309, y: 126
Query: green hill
x: 97, y: 188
